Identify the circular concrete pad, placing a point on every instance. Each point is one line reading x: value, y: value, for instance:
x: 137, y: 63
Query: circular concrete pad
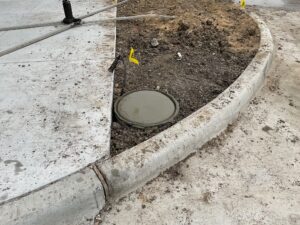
x: 146, y: 108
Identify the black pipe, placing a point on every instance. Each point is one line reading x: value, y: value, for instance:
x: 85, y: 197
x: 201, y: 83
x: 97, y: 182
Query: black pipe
x: 113, y: 66
x: 69, y: 18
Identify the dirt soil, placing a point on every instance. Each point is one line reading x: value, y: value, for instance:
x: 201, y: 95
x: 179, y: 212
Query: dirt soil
x: 216, y: 39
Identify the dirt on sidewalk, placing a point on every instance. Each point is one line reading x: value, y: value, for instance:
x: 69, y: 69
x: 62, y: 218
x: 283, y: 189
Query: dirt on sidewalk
x: 216, y: 39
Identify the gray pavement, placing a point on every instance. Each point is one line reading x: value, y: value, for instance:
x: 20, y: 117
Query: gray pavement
x: 55, y: 95
x: 251, y: 173
x: 282, y: 4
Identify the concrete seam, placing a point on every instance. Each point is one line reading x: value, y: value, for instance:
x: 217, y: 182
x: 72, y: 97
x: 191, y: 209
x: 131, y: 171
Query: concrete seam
x: 102, y: 179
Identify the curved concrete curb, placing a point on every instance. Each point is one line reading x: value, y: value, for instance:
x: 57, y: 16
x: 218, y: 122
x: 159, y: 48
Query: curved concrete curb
x: 85, y: 192
x: 136, y: 166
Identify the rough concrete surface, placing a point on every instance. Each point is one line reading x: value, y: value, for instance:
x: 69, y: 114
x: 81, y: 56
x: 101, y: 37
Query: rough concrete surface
x: 56, y: 95
x: 57, y: 204
x: 251, y: 173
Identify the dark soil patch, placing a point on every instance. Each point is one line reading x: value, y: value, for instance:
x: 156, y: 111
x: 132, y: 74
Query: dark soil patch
x: 216, y: 40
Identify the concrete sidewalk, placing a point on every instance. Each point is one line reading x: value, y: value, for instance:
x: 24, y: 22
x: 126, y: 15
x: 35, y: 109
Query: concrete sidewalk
x: 279, y: 4
x: 56, y: 95
x: 251, y: 173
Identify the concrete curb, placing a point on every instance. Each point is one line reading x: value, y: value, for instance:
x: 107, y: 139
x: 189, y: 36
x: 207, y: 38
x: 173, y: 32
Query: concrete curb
x: 134, y: 167
x: 76, y: 199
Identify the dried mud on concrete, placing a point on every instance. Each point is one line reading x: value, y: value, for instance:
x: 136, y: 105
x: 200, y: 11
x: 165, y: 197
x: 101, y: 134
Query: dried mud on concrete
x: 215, y: 49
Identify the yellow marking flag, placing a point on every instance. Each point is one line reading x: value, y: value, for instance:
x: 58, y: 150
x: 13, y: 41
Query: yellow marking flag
x: 243, y: 4
x: 132, y: 58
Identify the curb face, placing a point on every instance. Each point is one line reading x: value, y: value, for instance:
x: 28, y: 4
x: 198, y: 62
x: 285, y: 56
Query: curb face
x: 134, y: 167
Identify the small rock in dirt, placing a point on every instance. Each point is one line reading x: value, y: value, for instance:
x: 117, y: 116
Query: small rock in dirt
x: 209, y: 22
x: 164, y: 48
x: 179, y: 56
x: 116, y: 125
x: 251, y: 31
x: 182, y: 26
x: 154, y: 43
x: 118, y: 90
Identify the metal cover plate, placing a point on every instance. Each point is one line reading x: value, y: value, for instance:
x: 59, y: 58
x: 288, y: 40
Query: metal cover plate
x: 146, y: 108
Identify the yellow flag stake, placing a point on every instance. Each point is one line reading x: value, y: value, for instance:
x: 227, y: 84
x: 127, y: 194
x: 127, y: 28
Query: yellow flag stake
x: 243, y: 4
x: 132, y: 58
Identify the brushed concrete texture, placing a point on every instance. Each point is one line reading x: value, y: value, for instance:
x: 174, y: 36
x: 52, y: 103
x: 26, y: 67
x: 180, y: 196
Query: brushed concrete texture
x: 55, y: 95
